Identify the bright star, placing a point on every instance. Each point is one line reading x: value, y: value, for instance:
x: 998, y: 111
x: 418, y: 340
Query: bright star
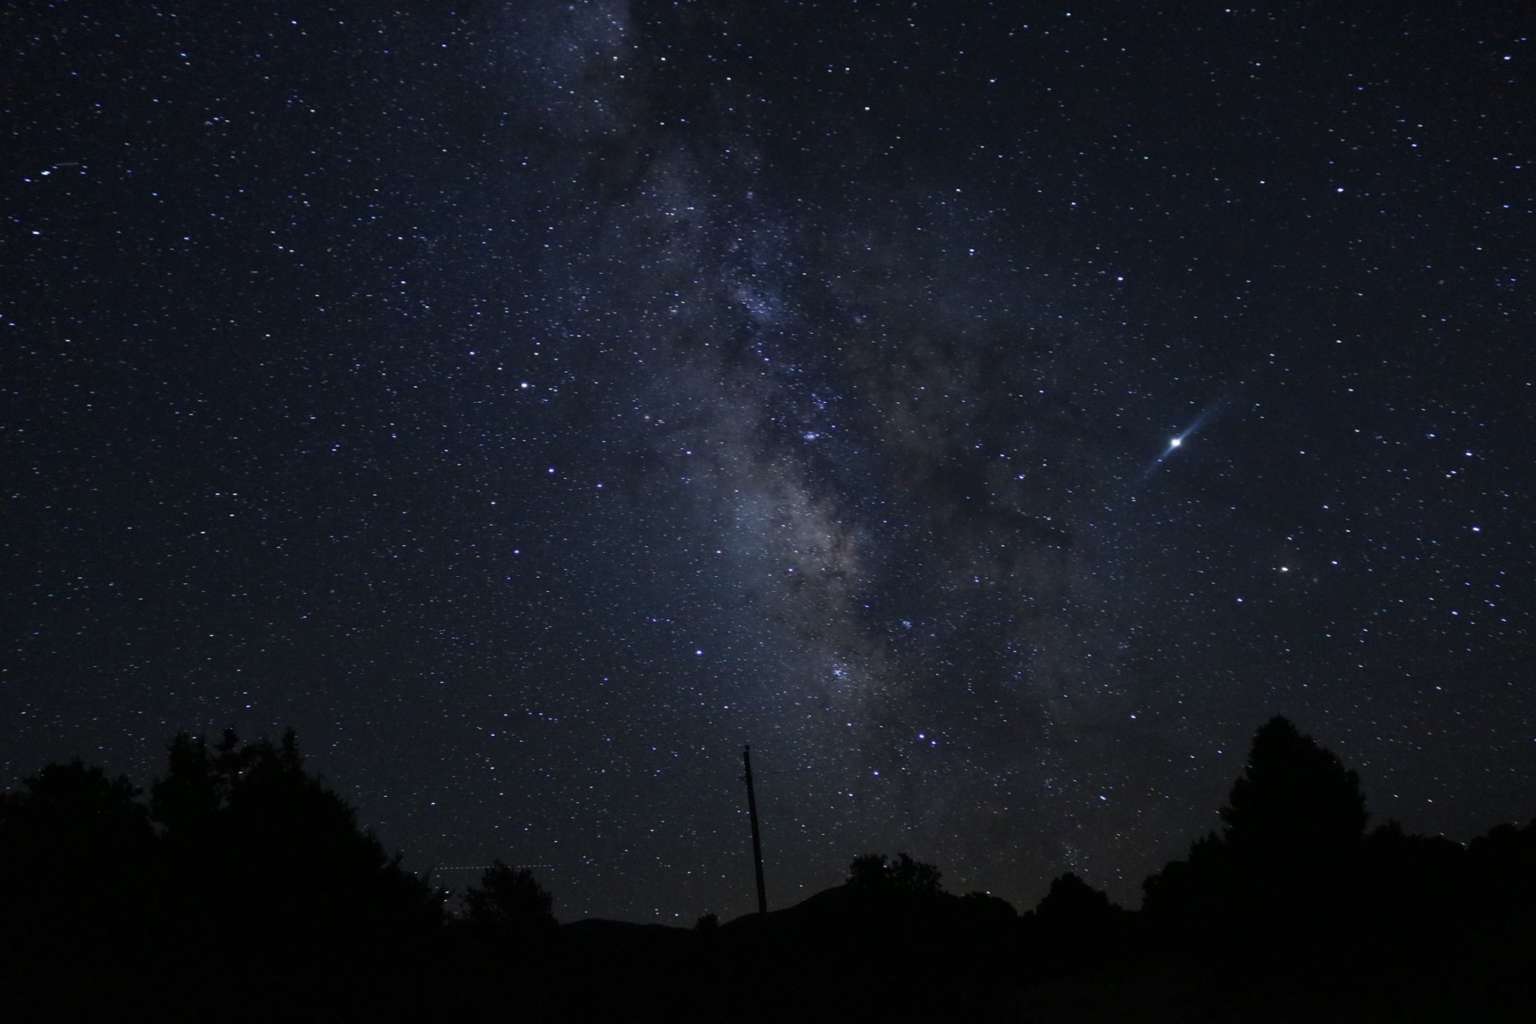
x: 1176, y: 441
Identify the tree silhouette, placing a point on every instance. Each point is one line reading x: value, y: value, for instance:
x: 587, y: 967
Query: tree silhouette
x: 512, y: 910
x: 279, y: 894
x: 1073, y: 900
x: 1188, y: 898
x: 1293, y: 800
x: 875, y: 874
x: 1281, y: 876
x: 76, y: 852
x: 246, y: 890
x: 1501, y: 882
x: 1076, y: 923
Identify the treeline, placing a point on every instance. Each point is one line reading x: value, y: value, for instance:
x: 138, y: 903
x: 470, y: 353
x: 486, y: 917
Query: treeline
x: 241, y: 888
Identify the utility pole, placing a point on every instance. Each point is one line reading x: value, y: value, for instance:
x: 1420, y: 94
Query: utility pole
x: 757, y: 840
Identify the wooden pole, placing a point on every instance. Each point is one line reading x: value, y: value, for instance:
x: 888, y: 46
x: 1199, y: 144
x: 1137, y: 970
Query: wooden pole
x: 757, y: 840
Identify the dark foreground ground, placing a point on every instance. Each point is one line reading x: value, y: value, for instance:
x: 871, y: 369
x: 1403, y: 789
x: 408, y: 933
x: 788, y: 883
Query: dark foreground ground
x: 812, y: 963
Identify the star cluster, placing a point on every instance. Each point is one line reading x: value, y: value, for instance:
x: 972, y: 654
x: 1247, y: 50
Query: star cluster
x: 989, y: 412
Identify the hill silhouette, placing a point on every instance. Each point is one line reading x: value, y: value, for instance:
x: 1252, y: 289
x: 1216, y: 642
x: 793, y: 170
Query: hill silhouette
x: 242, y: 888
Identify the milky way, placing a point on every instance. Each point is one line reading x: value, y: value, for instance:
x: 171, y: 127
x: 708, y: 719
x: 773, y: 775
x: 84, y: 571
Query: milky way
x: 990, y: 414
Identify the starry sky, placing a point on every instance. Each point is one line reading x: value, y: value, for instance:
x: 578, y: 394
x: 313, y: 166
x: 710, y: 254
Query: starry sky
x: 991, y: 412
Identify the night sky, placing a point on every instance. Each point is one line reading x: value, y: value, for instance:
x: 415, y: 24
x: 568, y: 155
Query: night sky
x: 990, y: 412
